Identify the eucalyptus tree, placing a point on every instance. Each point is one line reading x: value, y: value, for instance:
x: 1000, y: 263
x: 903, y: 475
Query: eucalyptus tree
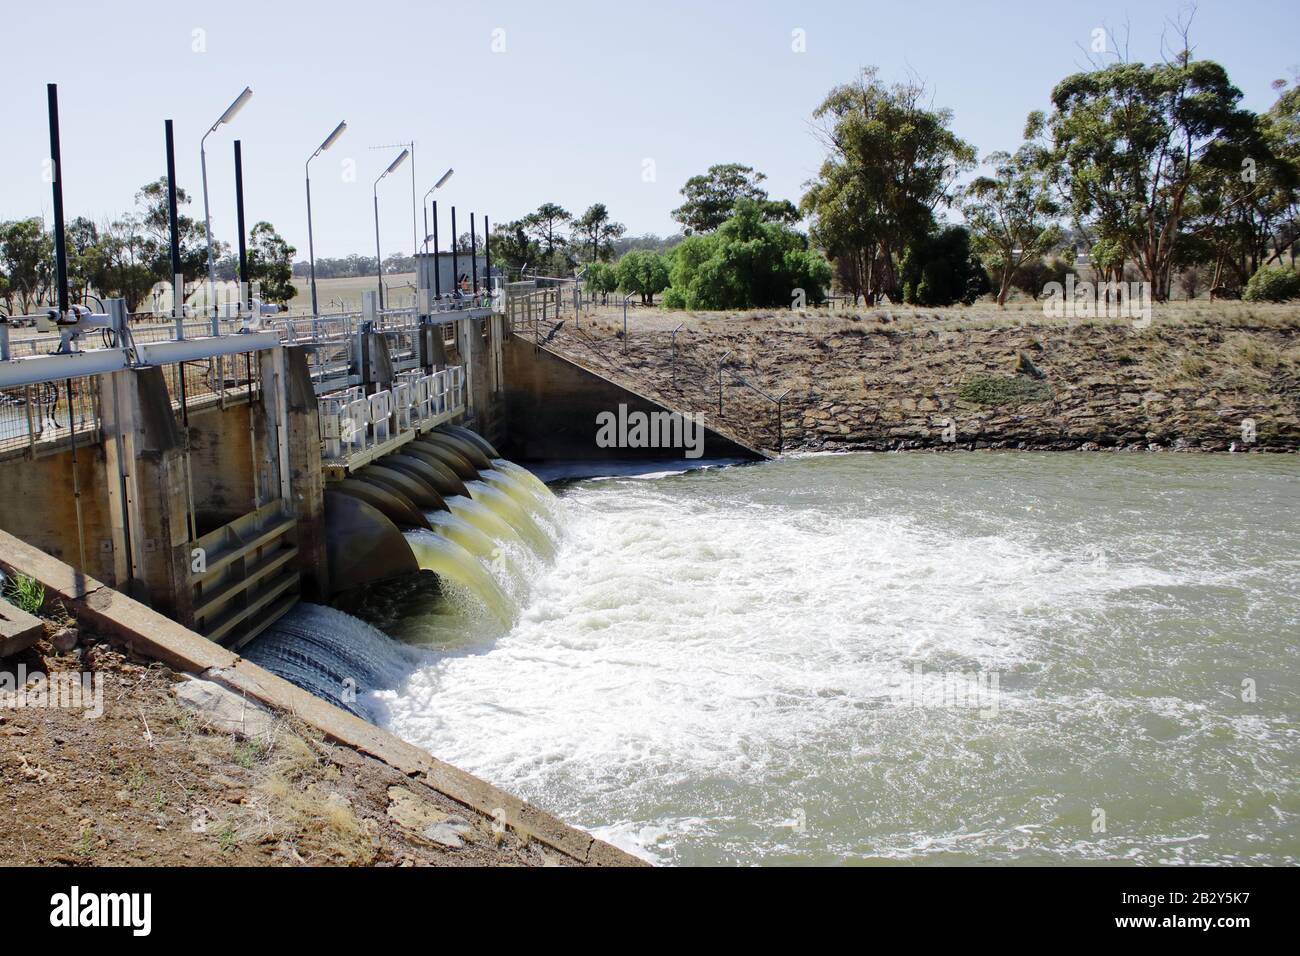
x: 1011, y: 213
x: 1131, y: 142
x: 711, y: 198
x: 893, y: 163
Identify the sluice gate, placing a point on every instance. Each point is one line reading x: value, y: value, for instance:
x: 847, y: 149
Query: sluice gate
x: 198, y: 464
x: 222, y: 469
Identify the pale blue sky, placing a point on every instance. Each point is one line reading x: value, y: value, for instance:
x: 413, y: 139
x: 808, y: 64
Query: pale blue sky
x: 582, y: 95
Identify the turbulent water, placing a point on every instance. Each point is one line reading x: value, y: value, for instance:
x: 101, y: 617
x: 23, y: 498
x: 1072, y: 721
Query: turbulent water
x: 960, y: 658
x: 722, y: 666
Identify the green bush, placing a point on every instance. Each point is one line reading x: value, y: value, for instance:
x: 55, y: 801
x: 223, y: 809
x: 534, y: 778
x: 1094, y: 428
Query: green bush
x: 1275, y: 284
x: 1003, y: 390
x: 25, y: 593
x: 601, y: 277
x: 940, y: 270
x: 747, y: 263
x: 642, y: 272
x: 674, y: 298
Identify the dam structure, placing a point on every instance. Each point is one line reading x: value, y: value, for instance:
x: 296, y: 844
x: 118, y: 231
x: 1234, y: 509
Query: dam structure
x: 217, y: 486
x: 222, y: 470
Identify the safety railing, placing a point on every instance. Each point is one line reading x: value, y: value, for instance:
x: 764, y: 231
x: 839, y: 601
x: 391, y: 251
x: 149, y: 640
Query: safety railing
x: 357, y: 428
x: 45, y: 415
x: 529, y: 309
x: 19, y: 341
x: 49, y: 385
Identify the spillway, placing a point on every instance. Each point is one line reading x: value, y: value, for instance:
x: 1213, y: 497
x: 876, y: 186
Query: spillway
x: 522, y: 494
x: 334, y: 656
x: 445, y: 506
x: 484, y: 518
x: 454, y: 564
x: 513, y: 514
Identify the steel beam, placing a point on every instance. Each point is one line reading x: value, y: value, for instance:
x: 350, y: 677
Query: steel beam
x: 190, y: 350
x: 59, y: 366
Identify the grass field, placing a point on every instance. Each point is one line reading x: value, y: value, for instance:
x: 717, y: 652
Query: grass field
x: 344, y: 295
x: 984, y: 314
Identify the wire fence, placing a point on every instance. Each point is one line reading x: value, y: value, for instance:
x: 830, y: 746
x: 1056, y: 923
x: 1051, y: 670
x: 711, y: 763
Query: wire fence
x: 44, y: 416
x: 36, y: 418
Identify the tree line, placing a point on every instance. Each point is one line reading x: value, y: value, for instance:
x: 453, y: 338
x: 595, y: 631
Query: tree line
x: 127, y: 256
x: 1155, y: 171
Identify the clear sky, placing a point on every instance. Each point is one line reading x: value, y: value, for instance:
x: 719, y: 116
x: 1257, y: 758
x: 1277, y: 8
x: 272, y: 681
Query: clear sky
x: 531, y: 101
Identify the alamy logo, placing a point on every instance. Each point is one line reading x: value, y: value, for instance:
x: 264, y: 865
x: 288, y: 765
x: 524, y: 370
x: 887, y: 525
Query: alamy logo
x: 949, y: 690
x: 61, y: 690
x: 1088, y: 300
x: 74, y: 909
x: 651, y: 430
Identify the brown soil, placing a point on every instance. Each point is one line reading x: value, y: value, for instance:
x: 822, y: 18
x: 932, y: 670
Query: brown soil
x: 150, y: 783
x: 904, y: 378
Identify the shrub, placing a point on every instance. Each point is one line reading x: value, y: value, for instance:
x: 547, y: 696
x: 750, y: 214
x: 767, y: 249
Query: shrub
x: 1003, y: 390
x: 601, y: 277
x: 26, y: 594
x: 1275, y: 284
x: 747, y: 263
x: 642, y: 272
x: 1032, y: 277
x: 940, y: 270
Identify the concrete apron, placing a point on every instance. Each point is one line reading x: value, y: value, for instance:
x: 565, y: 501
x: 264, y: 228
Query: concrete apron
x: 150, y: 634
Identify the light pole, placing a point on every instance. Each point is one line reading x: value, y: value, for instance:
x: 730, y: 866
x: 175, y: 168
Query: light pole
x: 379, y: 256
x: 311, y: 247
x: 424, y: 203
x: 225, y: 117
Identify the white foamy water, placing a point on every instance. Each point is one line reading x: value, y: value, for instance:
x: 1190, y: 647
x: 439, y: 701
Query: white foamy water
x: 754, y: 664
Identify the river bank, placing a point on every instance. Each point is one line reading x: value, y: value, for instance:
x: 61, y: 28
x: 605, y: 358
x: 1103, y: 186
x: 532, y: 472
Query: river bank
x: 1205, y: 377
x: 134, y: 775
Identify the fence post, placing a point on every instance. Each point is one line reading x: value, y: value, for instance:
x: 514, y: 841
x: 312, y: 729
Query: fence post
x: 721, y: 362
x: 780, y: 422
x: 672, y: 362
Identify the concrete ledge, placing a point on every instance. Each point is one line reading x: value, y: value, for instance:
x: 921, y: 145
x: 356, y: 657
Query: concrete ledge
x: 551, y: 407
x: 64, y: 580
x: 18, y: 629
x: 152, y: 635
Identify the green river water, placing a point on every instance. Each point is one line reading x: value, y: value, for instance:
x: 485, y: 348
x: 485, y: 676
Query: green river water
x: 919, y: 658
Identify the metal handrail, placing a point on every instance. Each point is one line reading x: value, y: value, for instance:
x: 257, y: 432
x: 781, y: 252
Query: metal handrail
x: 778, y: 401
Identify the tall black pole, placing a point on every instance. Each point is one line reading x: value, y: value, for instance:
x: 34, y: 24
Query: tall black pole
x: 455, y: 263
x: 60, y: 239
x: 178, y: 281
x: 311, y: 245
x: 473, y: 253
x: 487, y: 252
x: 437, y: 259
x: 244, y: 293
x: 61, y: 266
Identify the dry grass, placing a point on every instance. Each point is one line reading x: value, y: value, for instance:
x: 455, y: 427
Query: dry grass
x: 1253, y: 352
x: 151, y: 782
x: 344, y: 295
x: 871, y: 378
x: 981, y: 316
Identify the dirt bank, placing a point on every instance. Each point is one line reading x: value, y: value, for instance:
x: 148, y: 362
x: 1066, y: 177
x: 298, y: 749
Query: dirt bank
x: 1204, y: 377
x: 153, y: 782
